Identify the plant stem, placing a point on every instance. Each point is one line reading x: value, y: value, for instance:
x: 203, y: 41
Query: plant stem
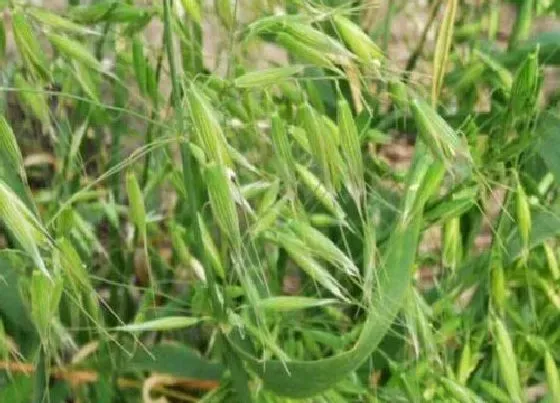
x: 411, y: 64
x: 151, y: 127
x: 186, y: 156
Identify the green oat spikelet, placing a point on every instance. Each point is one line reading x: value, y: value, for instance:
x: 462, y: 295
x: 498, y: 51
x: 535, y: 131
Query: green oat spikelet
x: 323, y: 195
x: 192, y: 8
x: 265, y: 77
x: 29, y: 47
x: 552, y: 376
x: 25, y: 227
x: 33, y: 99
x: 9, y: 149
x: 352, y: 153
x: 301, y: 256
x: 210, y: 249
x: 317, y: 141
x: 357, y: 40
x: 74, y: 50
x: 443, y: 46
x: 323, y: 247
x: 45, y: 297
x: 507, y: 361
x: 441, y: 139
x: 222, y: 202
x: 208, y: 130
x: 137, y: 209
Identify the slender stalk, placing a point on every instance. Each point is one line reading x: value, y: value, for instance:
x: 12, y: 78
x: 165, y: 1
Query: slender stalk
x: 239, y: 375
x: 391, y: 8
x: 231, y: 42
x: 186, y: 155
x: 411, y: 64
x: 151, y: 127
x: 118, y: 256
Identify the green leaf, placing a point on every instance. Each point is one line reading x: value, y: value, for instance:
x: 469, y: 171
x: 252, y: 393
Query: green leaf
x: 549, y: 50
x: 307, y: 378
x: 2, y: 40
x: 549, y: 146
x: 175, y: 359
x: 14, y: 313
x: 40, y: 379
x: 545, y: 224
x: 18, y: 390
x: 238, y: 373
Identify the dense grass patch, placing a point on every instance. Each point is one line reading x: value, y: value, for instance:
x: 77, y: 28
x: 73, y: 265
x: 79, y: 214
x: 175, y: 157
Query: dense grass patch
x: 189, y: 222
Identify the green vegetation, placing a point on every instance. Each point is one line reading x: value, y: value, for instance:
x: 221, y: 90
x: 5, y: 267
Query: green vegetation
x: 179, y: 228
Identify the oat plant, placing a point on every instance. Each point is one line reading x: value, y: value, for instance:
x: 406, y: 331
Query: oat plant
x: 267, y: 201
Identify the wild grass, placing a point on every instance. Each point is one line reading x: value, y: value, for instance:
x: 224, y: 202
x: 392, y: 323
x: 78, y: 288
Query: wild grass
x: 173, y: 229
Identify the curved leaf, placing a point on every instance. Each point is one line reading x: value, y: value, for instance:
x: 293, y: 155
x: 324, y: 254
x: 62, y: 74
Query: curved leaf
x: 177, y: 360
x: 307, y: 378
